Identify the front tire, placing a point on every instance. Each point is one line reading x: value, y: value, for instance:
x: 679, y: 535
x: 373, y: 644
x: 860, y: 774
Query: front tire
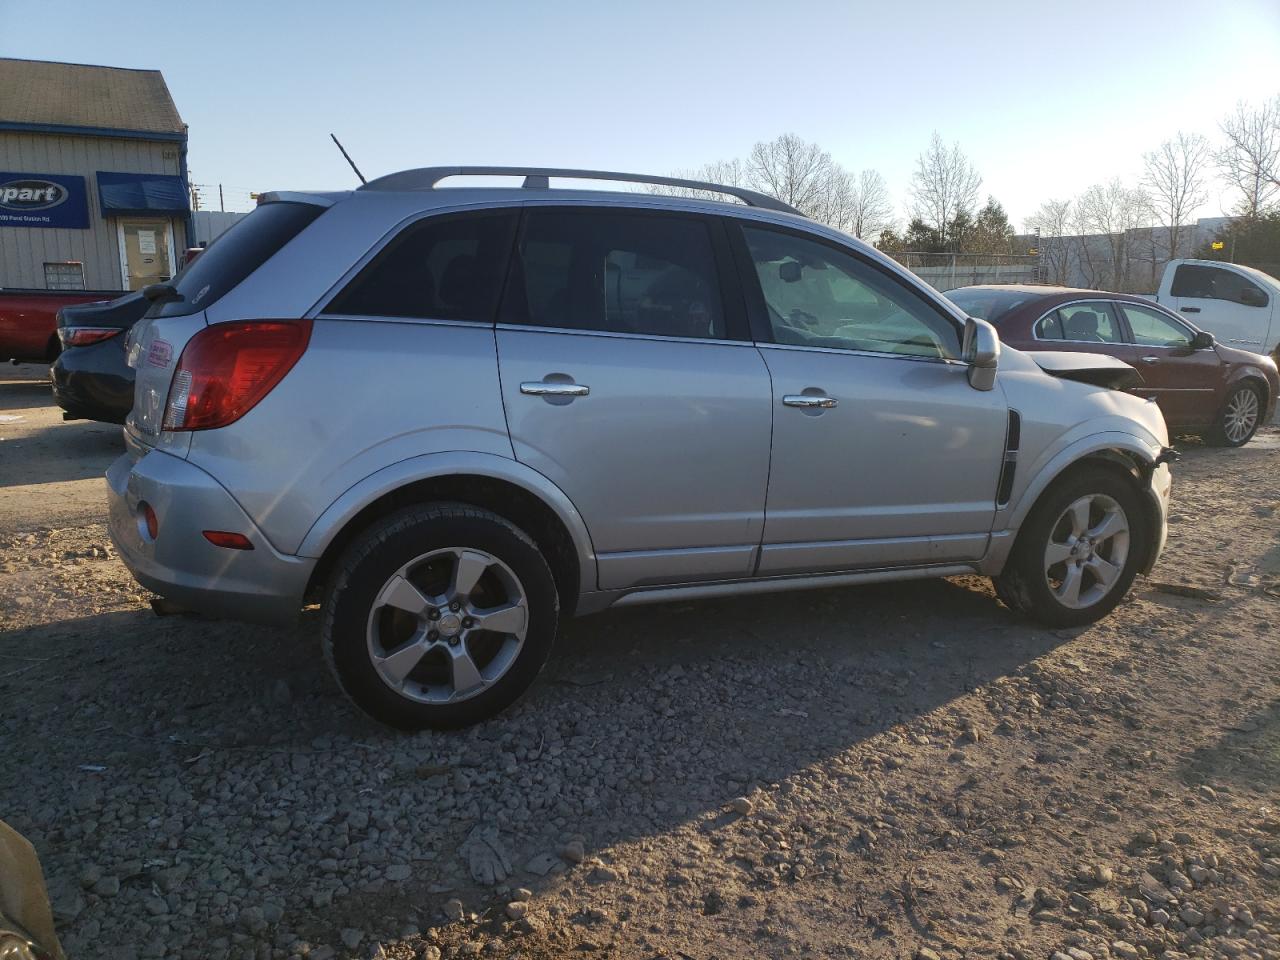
x: 1078, y: 551
x: 1239, y: 418
x: 439, y: 616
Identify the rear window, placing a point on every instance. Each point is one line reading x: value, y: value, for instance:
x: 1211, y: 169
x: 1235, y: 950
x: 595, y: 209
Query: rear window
x: 989, y: 305
x: 235, y: 255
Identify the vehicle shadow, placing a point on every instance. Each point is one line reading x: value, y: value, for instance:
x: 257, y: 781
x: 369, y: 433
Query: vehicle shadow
x: 74, y: 450
x: 645, y: 719
x: 18, y: 395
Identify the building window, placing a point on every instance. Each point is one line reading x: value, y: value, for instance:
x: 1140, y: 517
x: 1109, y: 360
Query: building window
x: 68, y: 275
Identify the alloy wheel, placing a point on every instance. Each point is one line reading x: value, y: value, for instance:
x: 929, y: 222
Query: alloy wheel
x: 447, y: 625
x: 1087, y: 550
x: 1241, y: 416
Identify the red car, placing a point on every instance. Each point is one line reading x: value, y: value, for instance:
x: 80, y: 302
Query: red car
x: 1221, y: 393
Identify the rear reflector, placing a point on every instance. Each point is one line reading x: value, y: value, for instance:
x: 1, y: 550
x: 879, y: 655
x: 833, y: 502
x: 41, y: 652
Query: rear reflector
x: 149, y: 519
x: 227, y: 368
x: 232, y: 541
x: 83, y: 336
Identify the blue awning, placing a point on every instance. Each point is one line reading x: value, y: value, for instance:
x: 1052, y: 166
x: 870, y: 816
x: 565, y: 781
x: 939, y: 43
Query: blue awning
x: 122, y: 194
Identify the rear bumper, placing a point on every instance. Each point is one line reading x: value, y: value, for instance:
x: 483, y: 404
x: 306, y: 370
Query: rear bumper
x: 93, y: 382
x: 258, y: 585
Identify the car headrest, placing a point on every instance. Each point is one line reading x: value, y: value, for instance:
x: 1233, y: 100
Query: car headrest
x: 458, y: 281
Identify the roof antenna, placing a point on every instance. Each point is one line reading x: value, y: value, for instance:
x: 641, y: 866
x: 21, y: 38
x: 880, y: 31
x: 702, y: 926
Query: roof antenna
x: 348, y: 158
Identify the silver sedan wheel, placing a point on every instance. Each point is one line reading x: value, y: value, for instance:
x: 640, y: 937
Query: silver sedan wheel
x: 1087, y: 550
x: 447, y: 625
x: 1241, y: 416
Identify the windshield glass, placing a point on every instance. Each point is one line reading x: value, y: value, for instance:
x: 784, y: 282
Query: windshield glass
x: 987, y: 304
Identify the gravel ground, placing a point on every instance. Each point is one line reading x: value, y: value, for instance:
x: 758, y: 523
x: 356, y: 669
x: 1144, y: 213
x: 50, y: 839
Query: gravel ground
x: 889, y: 771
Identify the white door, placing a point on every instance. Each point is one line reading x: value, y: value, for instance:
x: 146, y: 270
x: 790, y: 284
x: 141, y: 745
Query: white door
x: 1227, y: 304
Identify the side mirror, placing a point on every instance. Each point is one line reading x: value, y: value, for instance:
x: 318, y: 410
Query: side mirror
x: 1253, y: 297
x: 1203, y: 340
x: 982, y: 353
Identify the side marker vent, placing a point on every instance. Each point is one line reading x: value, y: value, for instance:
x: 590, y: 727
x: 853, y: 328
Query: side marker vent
x: 1009, y: 468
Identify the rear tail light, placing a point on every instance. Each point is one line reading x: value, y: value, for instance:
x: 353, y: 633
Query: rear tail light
x: 83, y: 336
x: 227, y: 368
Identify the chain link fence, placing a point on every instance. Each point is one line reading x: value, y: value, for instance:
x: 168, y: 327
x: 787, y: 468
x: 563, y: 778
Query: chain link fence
x: 946, y: 271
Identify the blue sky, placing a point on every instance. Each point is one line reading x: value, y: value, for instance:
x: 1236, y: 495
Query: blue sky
x: 1046, y: 98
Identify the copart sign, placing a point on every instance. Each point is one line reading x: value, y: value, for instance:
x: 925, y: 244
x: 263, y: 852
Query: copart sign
x: 43, y: 200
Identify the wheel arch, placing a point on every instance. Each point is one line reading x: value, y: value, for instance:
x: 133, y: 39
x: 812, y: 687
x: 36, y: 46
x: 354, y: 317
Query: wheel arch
x: 509, y: 489
x: 1254, y: 377
x: 1124, y: 454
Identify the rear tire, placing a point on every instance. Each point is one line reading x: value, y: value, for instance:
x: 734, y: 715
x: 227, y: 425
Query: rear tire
x: 1078, y: 551
x: 439, y: 616
x: 1239, y: 418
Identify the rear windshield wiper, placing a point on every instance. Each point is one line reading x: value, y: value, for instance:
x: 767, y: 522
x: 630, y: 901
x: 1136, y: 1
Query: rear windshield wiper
x: 162, y: 293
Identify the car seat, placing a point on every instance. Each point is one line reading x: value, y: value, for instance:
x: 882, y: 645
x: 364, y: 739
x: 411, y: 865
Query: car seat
x: 1082, y: 325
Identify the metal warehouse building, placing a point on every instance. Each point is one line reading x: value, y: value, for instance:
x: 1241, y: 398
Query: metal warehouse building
x: 93, y: 177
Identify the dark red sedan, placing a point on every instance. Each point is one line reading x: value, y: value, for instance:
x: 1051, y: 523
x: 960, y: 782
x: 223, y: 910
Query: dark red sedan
x: 1222, y: 393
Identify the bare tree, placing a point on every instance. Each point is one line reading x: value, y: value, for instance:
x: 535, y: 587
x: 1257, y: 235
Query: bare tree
x: 945, y: 184
x: 833, y: 201
x: 800, y: 174
x: 796, y: 172
x: 871, y: 211
x: 1087, y: 253
x: 1175, y: 179
x: 1250, y: 159
x: 1112, y: 210
x: 1053, y: 220
x: 730, y: 173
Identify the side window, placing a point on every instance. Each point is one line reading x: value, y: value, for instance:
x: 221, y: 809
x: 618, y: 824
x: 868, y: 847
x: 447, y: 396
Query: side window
x: 441, y: 268
x: 616, y: 272
x: 1231, y: 286
x: 1190, y: 280
x: 1213, y: 283
x: 1090, y: 322
x: 817, y: 295
x: 1049, y: 327
x: 1153, y: 329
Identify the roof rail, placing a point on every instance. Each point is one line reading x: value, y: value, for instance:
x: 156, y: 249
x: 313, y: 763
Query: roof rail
x: 536, y: 178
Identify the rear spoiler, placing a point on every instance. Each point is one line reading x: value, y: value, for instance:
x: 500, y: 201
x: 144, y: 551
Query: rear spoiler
x: 318, y: 199
x: 1093, y: 368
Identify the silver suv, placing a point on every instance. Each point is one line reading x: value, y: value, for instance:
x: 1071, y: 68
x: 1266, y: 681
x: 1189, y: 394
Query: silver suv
x: 453, y: 416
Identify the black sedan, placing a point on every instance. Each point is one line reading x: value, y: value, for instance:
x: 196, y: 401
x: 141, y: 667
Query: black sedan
x: 91, y: 378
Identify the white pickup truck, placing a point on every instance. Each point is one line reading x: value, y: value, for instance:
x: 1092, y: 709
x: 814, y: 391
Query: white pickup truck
x: 1238, y: 305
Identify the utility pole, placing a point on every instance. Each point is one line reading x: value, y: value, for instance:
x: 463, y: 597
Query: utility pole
x: 221, y: 205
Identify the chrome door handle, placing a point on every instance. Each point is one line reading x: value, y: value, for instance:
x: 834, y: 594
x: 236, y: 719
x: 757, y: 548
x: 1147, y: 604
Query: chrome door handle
x: 1150, y: 359
x: 540, y: 388
x: 808, y: 402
